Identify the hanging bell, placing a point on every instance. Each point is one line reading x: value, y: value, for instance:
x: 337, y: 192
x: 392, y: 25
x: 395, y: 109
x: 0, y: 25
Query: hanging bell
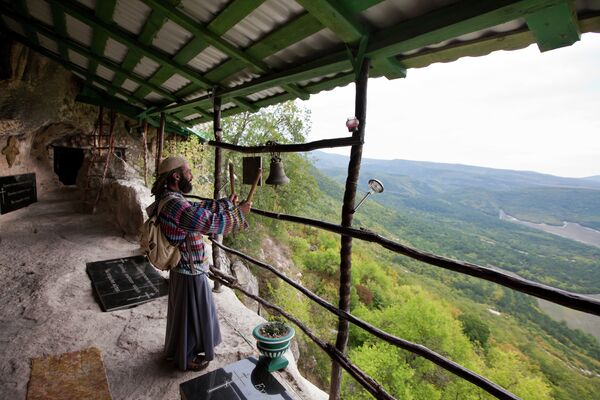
x: 276, y: 173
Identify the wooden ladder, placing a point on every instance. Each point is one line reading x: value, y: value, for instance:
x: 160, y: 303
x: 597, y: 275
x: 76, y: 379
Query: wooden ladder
x: 101, y: 150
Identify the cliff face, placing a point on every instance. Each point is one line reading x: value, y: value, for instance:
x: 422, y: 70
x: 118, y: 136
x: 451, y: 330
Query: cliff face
x: 48, y: 306
x: 43, y: 130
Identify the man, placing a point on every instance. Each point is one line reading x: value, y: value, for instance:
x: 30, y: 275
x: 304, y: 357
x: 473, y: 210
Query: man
x: 192, y: 322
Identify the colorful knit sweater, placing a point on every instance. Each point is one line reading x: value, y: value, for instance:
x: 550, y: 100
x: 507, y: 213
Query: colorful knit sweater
x: 184, y: 222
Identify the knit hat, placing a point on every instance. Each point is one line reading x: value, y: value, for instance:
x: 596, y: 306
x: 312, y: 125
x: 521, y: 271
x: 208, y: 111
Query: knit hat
x: 171, y: 163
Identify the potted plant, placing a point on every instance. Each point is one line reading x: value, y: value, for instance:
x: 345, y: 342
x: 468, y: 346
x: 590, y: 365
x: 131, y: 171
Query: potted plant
x: 273, y: 338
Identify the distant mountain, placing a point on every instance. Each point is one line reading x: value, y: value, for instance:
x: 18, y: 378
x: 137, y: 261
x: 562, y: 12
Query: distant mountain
x: 440, y: 177
x: 463, y: 191
x: 595, y: 178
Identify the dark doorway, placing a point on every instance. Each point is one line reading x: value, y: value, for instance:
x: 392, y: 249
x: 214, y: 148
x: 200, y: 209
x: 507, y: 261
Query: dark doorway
x: 67, y: 161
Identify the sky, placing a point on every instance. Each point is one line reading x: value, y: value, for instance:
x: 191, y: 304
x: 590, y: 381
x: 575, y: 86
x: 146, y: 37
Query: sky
x: 520, y: 110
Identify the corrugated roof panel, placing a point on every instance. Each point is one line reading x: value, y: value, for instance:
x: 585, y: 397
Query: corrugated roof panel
x: 317, y: 43
x: 114, y: 50
x: 244, y: 76
x: 105, y: 73
x: 320, y: 78
x: 189, y: 117
x: 77, y: 74
x: 265, y: 93
x: 145, y: 67
x: 13, y: 25
x: 78, y: 59
x: 264, y: 19
x: 195, y: 95
x: 120, y: 96
x: 131, y: 15
x: 506, y: 27
x: 171, y: 37
x: 40, y: 9
x: 202, y: 11
x: 207, y: 59
x: 225, y: 106
x: 175, y: 82
x: 91, y: 4
x: 48, y: 43
x: 130, y: 85
x: 79, y: 31
x: 99, y: 86
x: 391, y: 12
x: 154, y: 97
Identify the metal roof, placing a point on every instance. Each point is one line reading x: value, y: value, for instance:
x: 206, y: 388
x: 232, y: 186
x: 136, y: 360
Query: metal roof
x: 174, y: 56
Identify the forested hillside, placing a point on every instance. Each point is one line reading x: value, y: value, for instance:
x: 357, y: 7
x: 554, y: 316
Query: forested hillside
x: 494, y: 331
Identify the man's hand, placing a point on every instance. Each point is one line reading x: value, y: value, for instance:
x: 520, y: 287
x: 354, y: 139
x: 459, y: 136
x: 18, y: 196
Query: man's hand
x: 245, y: 207
x: 233, y: 198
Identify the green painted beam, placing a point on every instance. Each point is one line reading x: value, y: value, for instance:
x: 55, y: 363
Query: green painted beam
x: 335, y: 16
x: 554, y: 27
x: 455, y: 20
x: 104, y: 12
x: 390, y: 67
x: 300, y: 28
x: 60, y: 26
x: 76, y: 68
x: 449, y: 22
x: 153, y: 24
x: 21, y: 6
x: 35, y: 25
x: 324, y: 66
x: 296, y: 91
x: 227, y: 18
x: 199, y: 31
x: 84, y: 15
x: 325, y: 84
x: 246, y: 105
x: 90, y: 95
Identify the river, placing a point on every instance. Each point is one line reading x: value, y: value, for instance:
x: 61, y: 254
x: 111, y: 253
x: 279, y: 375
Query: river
x: 570, y: 230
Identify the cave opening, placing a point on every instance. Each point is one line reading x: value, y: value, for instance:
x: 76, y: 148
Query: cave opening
x: 67, y: 162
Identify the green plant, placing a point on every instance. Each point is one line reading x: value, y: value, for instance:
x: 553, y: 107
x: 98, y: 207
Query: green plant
x: 274, y: 329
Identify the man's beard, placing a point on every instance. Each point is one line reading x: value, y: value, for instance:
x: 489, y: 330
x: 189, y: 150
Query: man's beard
x: 184, y: 185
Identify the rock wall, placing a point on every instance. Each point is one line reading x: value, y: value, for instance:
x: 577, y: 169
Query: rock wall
x: 38, y: 113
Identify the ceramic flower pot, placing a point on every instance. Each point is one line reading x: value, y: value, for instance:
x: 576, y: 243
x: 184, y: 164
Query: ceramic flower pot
x: 272, y: 341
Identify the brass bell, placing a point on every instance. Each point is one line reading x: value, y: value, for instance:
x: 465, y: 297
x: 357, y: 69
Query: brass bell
x: 276, y: 173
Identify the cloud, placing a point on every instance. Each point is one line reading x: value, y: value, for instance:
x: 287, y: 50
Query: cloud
x: 511, y: 109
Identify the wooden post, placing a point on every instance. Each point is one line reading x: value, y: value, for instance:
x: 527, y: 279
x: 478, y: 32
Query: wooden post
x: 216, y: 253
x: 360, y: 106
x: 160, y: 134
x: 145, y: 139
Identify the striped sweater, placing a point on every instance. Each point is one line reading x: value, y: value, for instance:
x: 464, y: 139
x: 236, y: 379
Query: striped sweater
x: 184, y: 222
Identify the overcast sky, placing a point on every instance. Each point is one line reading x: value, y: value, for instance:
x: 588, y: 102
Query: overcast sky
x: 522, y: 110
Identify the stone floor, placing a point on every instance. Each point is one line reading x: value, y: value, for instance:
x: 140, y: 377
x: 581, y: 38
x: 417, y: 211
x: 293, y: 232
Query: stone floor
x: 48, y: 307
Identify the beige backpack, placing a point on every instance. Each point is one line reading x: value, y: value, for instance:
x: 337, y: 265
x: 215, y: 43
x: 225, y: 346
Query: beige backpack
x: 162, y: 254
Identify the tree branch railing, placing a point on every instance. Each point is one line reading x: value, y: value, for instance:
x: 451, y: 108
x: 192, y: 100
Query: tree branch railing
x: 287, y: 148
x: 414, y: 348
x: 568, y: 299
x: 360, y: 376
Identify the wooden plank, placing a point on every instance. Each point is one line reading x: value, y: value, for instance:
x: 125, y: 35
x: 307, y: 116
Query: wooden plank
x: 389, y: 67
x: 199, y: 31
x: 152, y: 25
x: 35, y: 25
x: 449, y: 22
x: 554, y: 27
x: 104, y: 12
x: 227, y: 18
x: 60, y: 26
x: 84, y: 15
x: 21, y: 5
x: 336, y: 17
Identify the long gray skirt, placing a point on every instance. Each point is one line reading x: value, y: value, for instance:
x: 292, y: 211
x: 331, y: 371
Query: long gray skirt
x: 192, y: 322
